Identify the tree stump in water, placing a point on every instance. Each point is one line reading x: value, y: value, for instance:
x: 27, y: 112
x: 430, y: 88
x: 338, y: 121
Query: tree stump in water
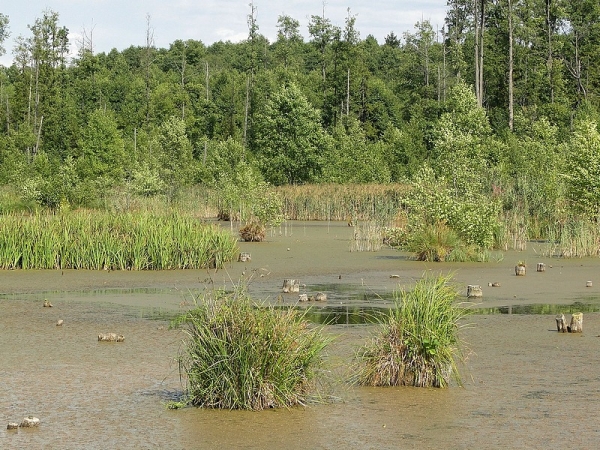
x: 321, y: 297
x: 29, y: 422
x: 244, y: 256
x: 303, y: 298
x: 588, y: 284
x: 561, y: 324
x: 541, y: 267
x: 520, y: 271
x: 111, y: 337
x: 474, y: 290
x: 576, y: 323
x: 291, y: 285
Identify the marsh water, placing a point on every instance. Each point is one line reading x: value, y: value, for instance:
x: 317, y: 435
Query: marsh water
x: 525, y: 385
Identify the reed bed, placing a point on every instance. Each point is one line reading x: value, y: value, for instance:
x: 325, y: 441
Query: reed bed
x: 368, y: 237
x: 198, y: 201
x: 418, y: 344
x: 575, y: 238
x: 99, y: 240
x: 351, y: 202
x: 240, y: 355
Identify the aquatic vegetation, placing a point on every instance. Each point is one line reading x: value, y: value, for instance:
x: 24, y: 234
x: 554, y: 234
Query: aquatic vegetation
x: 351, y: 202
x: 418, y: 343
x: 240, y: 355
x: 99, y: 240
x: 438, y: 242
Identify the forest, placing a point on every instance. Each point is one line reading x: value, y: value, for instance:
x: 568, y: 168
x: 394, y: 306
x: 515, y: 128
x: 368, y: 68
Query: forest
x: 492, y: 120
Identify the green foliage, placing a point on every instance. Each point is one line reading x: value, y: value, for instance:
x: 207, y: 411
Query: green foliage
x: 289, y: 138
x: 101, y: 150
x: 418, y: 343
x: 102, y: 240
x: 352, y: 159
x: 240, y: 355
x: 474, y: 217
x: 583, y: 168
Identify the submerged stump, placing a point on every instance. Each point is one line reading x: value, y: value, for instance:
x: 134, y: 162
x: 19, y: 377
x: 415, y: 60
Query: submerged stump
x: 321, y: 297
x: 561, y: 323
x: 474, y: 290
x: 576, y: 323
x: 520, y: 271
x: 541, y: 267
x: 111, y: 337
x: 291, y: 285
x: 244, y: 256
x: 29, y: 422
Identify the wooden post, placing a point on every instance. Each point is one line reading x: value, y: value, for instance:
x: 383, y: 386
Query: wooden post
x: 244, y: 256
x: 474, y: 290
x: 321, y: 297
x: 576, y: 323
x: 561, y: 323
x: 541, y: 267
x: 291, y: 285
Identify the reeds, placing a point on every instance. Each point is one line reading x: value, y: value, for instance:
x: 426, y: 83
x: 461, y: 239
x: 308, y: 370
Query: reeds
x: 100, y: 240
x: 351, y: 202
x: 367, y: 237
x: 575, y: 238
x: 418, y: 344
x: 238, y: 355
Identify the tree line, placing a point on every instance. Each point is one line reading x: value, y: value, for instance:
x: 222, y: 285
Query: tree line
x: 503, y: 92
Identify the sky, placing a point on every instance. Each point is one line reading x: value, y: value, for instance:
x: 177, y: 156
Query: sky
x: 122, y: 23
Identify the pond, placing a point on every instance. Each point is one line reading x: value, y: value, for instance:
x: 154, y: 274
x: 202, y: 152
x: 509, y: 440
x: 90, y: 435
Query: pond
x: 525, y: 385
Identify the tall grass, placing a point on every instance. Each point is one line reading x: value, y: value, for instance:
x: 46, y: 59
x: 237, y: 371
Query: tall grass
x: 418, y: 344
x: 100, y: 240
x: 238, y: 355
x: 575, y: 238
x: 441, y: 243
x: 350, y: 202
x: 368, y: 237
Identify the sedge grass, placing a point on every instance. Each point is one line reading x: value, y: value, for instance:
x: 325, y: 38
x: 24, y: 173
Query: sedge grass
x: 99, y: 240
x: 238, y: 355
x: 418, y: 343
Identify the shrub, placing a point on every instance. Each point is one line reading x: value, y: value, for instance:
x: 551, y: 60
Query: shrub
x: 418, y: 343
x: 239, y: 355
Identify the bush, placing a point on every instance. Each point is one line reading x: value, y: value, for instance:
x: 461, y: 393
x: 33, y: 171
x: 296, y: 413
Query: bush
x: 418, y: 343
x: 238, y: 355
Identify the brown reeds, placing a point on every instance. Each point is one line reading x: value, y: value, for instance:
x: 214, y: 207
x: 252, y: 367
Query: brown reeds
x: 350, y: 202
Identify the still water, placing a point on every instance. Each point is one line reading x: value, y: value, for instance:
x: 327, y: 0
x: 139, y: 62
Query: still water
x: 525, y: 385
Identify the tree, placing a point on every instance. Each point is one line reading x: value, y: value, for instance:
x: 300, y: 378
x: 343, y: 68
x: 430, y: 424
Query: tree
x: 460, y: 137
x: 174, y: 153
x: 100, y: 150
x: 583, y: 168
x: 3, y: 32
x: 289, y: 138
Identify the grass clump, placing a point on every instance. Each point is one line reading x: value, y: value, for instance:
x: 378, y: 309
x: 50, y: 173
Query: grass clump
x: 239, y: 355
x: 418, y: 344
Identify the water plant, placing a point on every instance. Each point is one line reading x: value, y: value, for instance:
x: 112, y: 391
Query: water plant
x: 418, y: 343
x: 99, y: 240
x: 238, y: 354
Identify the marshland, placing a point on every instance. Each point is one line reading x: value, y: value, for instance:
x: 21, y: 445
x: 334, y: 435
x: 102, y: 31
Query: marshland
x: 376, y: 175
x: 90, y: 395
